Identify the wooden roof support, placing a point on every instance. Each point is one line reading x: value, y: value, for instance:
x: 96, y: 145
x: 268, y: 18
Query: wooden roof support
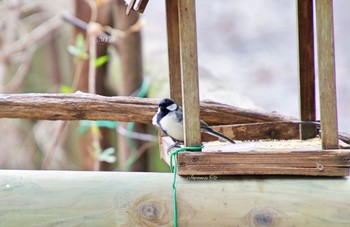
x: 172, y: 17
x: 326, y: 64
x: 306, y: 68
x: 189, y: 72
x: 183, y: 64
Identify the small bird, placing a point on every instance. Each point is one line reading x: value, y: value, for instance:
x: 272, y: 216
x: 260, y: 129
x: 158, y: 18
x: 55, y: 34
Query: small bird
x: 169, y: 119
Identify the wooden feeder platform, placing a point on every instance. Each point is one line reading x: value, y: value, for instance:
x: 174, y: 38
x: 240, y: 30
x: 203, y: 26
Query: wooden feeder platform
x: 263, y: 157
x: 302, y: 152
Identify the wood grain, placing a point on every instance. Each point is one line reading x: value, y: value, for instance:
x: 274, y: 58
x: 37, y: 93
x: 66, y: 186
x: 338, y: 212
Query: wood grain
x: 307, y: 163
x: 306, y: 67
x: 263, y: 157
x: 65, y: 198
x: 257, y: 131
x: 189, y: 72
x: 326, y: 64
x: 172, y: 18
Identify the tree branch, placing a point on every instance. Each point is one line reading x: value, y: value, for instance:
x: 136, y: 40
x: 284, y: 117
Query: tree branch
x: 84, y: 106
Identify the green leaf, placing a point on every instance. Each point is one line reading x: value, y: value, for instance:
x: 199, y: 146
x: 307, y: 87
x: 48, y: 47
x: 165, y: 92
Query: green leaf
x: 101, y: 61
x: 106, y: 124
x: 95, y: 129
x: 80, y: 42
x: 78, y: 49
x: 84, y: 125
x: 66, y: 89
x: 108, y: 155
x: 73, y: 50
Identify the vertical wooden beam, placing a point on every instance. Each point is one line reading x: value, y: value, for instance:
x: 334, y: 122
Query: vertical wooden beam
x: 326, y: 64
x: 306, y: 68
x: 172, y: 17
x: 189, y: 72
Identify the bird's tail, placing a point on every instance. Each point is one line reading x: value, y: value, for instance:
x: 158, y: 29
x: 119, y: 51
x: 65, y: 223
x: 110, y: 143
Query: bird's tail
x: 217, y: 134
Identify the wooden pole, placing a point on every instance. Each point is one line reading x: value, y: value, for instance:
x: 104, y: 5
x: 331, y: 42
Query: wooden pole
x: 56, y: 198
x: 306, y: 68
x: 189, y: 72
x: 326, y: 64
x: 172, y: 17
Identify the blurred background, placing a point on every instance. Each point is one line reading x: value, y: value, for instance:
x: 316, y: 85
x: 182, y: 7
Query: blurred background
x: 247, y: 58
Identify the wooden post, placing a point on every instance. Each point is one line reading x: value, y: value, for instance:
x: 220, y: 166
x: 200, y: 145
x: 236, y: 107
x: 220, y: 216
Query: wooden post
x: 306, y: 68
x: 189, y: 72
x: 326, y: 64
x: 172, y: 17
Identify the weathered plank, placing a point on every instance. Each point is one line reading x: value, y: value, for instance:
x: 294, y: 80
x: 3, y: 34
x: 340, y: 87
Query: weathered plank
x: 84, y: 106
x: 326, y: 64
x: 172, y: 18
x: 189, y: 72
x: 307, y: 163
x: 263, y: 157
x: 306, y: 67
x: 54, y: 198
x: 257, y: 131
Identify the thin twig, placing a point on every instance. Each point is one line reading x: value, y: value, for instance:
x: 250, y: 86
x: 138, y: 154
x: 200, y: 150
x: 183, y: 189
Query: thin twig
x: 56, y: 139
x: 30, y: 39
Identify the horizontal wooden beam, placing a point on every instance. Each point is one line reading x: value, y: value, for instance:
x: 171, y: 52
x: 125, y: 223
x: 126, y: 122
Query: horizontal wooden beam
x: 306, y: 163
x: 263, y: 157
x: 64, y: 198
x: 83, y: 106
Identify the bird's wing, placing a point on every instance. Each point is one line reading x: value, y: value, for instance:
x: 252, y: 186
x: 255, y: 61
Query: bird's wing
x: 179, y: 116
x: 206, y: 129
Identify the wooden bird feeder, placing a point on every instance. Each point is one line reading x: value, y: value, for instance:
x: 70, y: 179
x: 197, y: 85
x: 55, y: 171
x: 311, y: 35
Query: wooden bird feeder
x: 321, y: 157
x: 136, y: 5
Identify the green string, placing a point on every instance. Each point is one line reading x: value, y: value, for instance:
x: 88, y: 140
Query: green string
x: 173, y: 169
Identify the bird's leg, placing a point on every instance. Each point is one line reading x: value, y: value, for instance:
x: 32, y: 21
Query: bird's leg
x: 176, y: 144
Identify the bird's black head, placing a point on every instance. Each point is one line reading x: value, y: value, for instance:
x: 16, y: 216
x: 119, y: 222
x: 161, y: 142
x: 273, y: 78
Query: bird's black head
x: 168, y: 105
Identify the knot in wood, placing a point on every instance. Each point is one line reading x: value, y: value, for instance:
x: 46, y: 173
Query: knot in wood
x: 319, y: 166
x: 182, y: 164
x: 266, y: 217
x: 346, y: 159
x: 263, y: 219
x: 149, y: 211
x: 273, y: 134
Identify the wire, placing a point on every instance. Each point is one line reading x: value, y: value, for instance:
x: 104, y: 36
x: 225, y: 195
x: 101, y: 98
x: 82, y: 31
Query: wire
x: 173, y: 168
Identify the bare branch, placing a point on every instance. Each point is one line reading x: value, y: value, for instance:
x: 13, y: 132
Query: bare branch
x: 27, y: 40
x: 83, y: 106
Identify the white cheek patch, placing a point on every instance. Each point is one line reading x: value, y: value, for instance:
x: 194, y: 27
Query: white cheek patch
x: 154, y: 119
x: 172, y: 107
